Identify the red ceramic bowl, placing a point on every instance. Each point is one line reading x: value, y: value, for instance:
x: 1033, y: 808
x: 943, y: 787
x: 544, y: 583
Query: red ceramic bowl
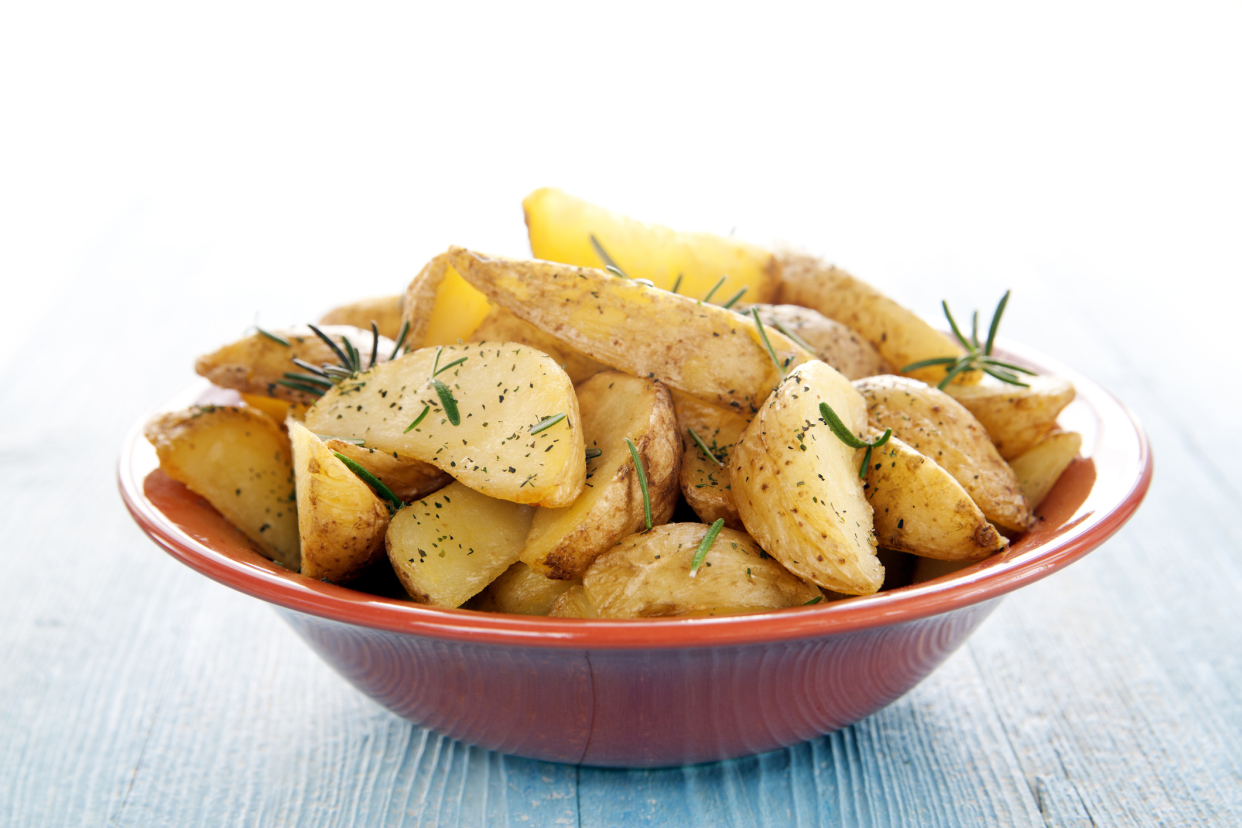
x: 660, y: 691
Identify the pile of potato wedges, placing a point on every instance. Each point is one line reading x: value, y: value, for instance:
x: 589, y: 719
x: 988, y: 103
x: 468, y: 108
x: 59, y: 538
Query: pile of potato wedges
x: 631, y: 424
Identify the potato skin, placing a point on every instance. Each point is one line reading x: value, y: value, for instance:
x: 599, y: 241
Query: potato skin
x: 832, y: 342
x: 797, y: 487
x: 704, y: 484
x: 703, y: 350
x: 384, y: 311
x: 341, y: 523
x: 500, y: 325
x: 240, y: 462
x: 1016, y: 418
x: 256, y: 363
x: 648, y: 576
x: 921, y: 509
x: 899, y: 334
x: 937, y: 426
x: 519, y: 590
x: 613, y: 406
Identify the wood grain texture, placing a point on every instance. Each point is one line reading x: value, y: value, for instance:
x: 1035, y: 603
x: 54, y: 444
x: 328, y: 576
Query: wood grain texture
x: 135, y: 692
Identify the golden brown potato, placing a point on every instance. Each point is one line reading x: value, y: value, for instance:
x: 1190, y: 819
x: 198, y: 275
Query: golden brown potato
x: 1015, y: 417
x: 921, y: 509
x: 1043, y: 464
x: 239, y: 461
x: 829, y: 340
x: 278, y: 410
x: 341, y: 522
x: 503, y: 445
x: 704, y: 350
x: 797, y: 487
x: 384, y: 311
x: 705, y: 476
x: 648, y: 576
x: 939, y: 427
x: 614, y: 406
x: 409, y: 479
x: 257, y: 363
x: 561, y: 227
x: 450, y: 545
x: 520, y: 590
x: 900, y: 336
x: 573, y: 603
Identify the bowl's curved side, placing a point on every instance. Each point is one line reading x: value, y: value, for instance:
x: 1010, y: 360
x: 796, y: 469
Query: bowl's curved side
x: 628, y: 708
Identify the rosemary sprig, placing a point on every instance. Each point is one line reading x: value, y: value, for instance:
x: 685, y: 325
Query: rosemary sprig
x: 417, y: 420
x: 346, y: 362
x: 733, y: 300
x: 305, y: 388
x: 374, y: 344
x: 771, y: 351
x: 677, y: 283
x: 849, y: 438
x: 448, y: 401
x: 705, y: 545
x: 977, y: 357
x: 394, y: 503
x: 642, y: 481
x: 703, y: 447
x: 814, y: 601
x: 279, y: 339
x: 609, y: 262
x: 544, y: 425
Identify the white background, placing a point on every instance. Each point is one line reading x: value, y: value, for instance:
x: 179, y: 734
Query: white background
x: 957, y: 147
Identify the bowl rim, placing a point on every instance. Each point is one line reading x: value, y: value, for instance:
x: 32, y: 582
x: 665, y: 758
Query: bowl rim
x: 1090, y: 526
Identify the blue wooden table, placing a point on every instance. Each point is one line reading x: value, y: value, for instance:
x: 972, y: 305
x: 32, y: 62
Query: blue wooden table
x: 155, y: 205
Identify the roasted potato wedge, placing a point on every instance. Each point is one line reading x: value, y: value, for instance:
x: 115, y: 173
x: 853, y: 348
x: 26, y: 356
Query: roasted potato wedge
x: 384, y: 311
x: 797, y: 487
x: 441, y: 307
x: 448, y: 546
x: 520, y: 590
x: 278, y: 410
x: 409, y: 479
x: 341, y: 522
x: 829, y: 340
x: 920, y: 508
x: 937, y: 426
x: 239, y: 461
x: 705, y: 476
x: 561, y: 226
x: 1039, y: 468
x: 613, y: 407
x: 648, y: 575
x: 899, y: 334
x: 503, y: 391
x: 703, y: 350
x: 1016, y: 418
x: 257, y: 363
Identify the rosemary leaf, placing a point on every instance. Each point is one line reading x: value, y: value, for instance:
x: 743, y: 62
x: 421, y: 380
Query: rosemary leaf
x: 448, y: 401
x: 771, y: 352
x: 336, y: 349
x: 642, y: 480
x: 703, y: 447
x: 814, y: 601
x: 417, y: 420
x: 705, y: 545
x: 996, y: 318
x: 405, y: 331
x: 273, y: 336
x: 452, y: 364
x: 677, y: 283
x: 733, y: 300
x: 838, y: 428
x: 371, y: 480
x: 374, y: 344
x: 297, y: 386
x: 309, y: 379
x: 309, y: 367
x: 592, y: 453
x: 608, y: 261
x: 780, y: 326
x: 544, y: 425
x: 715, y: 288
